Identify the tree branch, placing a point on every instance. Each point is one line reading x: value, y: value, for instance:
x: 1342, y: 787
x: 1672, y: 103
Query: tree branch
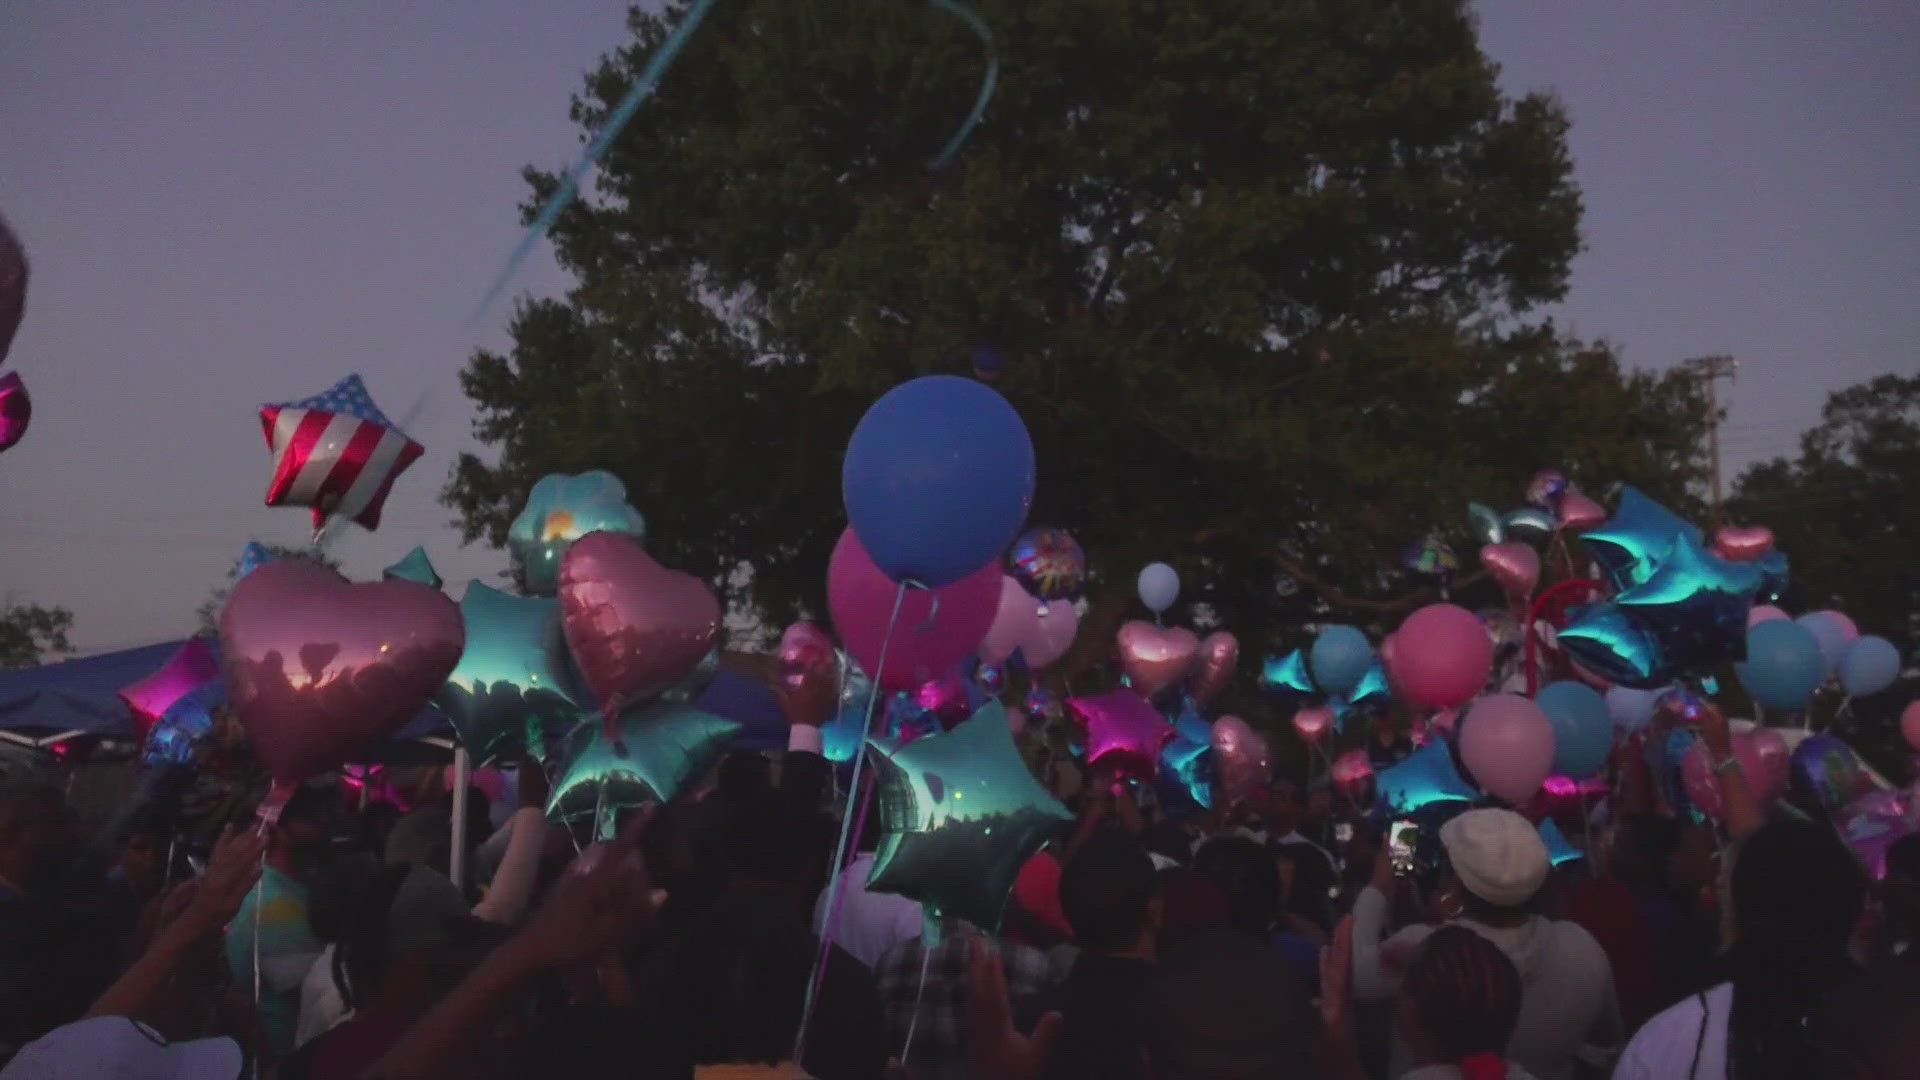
x: 1387, y: 608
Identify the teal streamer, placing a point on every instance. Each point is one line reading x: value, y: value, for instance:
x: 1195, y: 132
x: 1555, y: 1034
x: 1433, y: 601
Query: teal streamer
x: 992, y: 78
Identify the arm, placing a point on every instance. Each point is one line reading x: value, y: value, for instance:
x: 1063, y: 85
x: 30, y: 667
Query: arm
x: 506, y: 899
x: 1340, y: 1050
x: 1740, y: 811
x: 1368, y: 924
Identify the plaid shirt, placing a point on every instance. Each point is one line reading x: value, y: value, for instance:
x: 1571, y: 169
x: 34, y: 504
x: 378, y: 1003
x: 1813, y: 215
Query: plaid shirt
x: 939, y: 1049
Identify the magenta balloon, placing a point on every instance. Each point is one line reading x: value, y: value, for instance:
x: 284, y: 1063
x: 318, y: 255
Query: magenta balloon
x: 1441, y: 656
x: 936, y: 628
x: 1763, y: 613
x: 189, y: 668
x: 1764, y: 760
x: 320, y: 670
x: 635, y: 628
x: 1507, y: 743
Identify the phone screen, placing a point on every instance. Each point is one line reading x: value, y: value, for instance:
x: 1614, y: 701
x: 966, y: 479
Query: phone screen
x: 1343, y: 833
x: 1401, y: 842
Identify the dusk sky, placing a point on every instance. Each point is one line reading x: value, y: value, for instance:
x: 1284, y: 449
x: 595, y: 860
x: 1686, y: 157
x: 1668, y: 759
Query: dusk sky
x: 229, y: 204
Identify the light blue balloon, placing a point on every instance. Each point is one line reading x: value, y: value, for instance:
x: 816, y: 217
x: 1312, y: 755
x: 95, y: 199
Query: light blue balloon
x: 1582, y: 728
x: 1631, y: 709
x: 1869, y: 666
x: 1832, y: 634
x: 1159, y: 587
x: 1783, y: 666
x: 1340, y: 658
x: 937, y: 479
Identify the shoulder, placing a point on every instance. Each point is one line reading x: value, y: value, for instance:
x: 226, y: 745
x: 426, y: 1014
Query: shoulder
x: 1671, y: 1035
x: 1576, y: 939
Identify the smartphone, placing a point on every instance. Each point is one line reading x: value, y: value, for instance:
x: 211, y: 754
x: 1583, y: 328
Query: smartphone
x: 1402, y: 839
x: 1343, y: 833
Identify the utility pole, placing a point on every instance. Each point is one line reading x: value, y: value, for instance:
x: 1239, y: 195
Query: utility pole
x: 1710, y: 370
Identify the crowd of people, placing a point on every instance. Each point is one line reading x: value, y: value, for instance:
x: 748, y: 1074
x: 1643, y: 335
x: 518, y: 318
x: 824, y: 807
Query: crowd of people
x: 1280, y: 937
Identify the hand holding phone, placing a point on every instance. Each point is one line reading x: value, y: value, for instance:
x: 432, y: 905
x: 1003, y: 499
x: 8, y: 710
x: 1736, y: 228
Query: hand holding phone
x: 1402, y: 840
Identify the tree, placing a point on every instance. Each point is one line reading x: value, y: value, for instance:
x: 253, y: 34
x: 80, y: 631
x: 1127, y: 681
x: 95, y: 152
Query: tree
x: 208, y: 615
x: 1844, y: 510
x: 30, y: 633
x: 1264, y: 276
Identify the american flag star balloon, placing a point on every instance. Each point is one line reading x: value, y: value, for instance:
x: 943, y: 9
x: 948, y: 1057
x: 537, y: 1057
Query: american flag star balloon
x: 336, y: 453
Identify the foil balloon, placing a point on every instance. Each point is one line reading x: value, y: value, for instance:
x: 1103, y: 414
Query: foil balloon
x: 1431, y: 558
x: 1190, y: 765
x: 657, y: 751
x: 1190, y: 725
x: 16, y: 410
x: 1608, y: 641
x: 1219, y: 661
x: 634, y: 627
x: 923, y: 633
x: 807, y: 675
x: 191, y: 666
x: 1514, y: 566
x: 1155, y: 657
x: 1050, y: 564
x: 990, y: 678
x: 1630, y: 544
x: 1241, y: 759
x: 1545, y: 488
x: 1043, y: 705
x: 1560, y: 850
x: 506, y: 694
x: 1372, y: 689
x: 174, y: 738
x: 13, y: 286
x: 1312, y: 723
x: 1529, y: 523
x: 1774, y: 576
x: 960, y: 816
x: 560, y: 510
x: 1763, y: 761
x: 1425, y: 777
x: 1124, y: 734
x: 1742, y: 543
x: 1287, y: 676
x: 1829, y: 773
x: 414, y: 567
x: 1487, y: 526
x: 1577, y: 513
x: 1351, y: 772
x: 1507, y: 743
x: 1019, y: 627
x: 945, y: 699
x: 1874, y: 822
x: 252, y: 557
x: 1695, y: 604
x: 1681, y: 706
x: 846, y: 732
x: 336, y: 453
x: 319, y: 669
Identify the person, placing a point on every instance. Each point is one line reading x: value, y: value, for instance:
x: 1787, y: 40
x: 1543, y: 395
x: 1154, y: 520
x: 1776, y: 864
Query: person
x: 1247, y: 874
x: 1796, y: 897
x: 1282, y: 815
x: 270, y: 943
x: 1390, y: 746
x: 925, y: 994
x: 1494, y: 863
x: 1190, y: 904
x: 868, y: 924
x: 51, y: 962
x: 1459, y: 1005
x: 1900, y: 901
x: 1870, y: 1030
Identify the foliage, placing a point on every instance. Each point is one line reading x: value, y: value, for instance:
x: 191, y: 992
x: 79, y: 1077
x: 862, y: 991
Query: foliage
x: 1263, y: 274
x: 207, y: 615
x: 29, y: 634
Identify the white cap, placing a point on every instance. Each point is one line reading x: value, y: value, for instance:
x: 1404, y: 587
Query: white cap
x: 1497, y: 855
x: 114, y: 1047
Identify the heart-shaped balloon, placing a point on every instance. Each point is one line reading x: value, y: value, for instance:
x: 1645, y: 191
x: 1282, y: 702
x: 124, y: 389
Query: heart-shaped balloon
x: 16, y: 409
x: 807, y: 675
x: 635, y: 628
x: 1241, y: 758
x: 1743, y: 543
x: 1219, y: 660
x: 1313, y: 722
x: 320, y: 669
x: 1155, y: 657
x: 1515, y: 565
x: 1577, y: 513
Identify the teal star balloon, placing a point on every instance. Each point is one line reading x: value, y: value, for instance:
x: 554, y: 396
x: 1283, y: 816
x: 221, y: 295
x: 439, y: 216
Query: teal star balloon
x: 1614, y: 645
x: 1629, y: 546
x: 1695, y: 604
x: 1287, y: 675
x: 414, y: 567
x: 506, y: 693
x: 660, y: 748
x: 962, y: 815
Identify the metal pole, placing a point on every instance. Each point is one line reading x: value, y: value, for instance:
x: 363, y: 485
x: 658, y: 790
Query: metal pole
x: 462, y: 776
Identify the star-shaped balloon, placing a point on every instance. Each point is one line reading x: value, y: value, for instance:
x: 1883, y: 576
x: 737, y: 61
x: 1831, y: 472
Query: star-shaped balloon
x: 1190, y: 725
x: 561, y: 509
x: 1370, y: 692
x: 414, y: 567
x: 1426, y: 776
x: 1528, y: 523
x: 1189, y: 764
x: 1629, y: 546
x: 1560, y: 850
x: 962, y: 815
x: 335, y: 452
x: 1287, y: 675
x: 660, y: 748
x: 506, y: 693
x: 1612, y: 644
x: 1124, y: 732
x: 192, y: 665
x: 252, y: 557
x: 173, y: 738
x: 1695, y: 604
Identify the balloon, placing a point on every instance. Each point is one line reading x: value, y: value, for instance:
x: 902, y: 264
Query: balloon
x: 1763, y: 613
x: 807, y: 675
x: 1425, y: 777
x: 845, y: 734
x: 1442, y: 656
x: 414, y: 567
x: 1582, y: 728
x: 16, y: 409
x: 1190, y: 765
x: 1834, y: 632
x: 252, y: 557
x: 934, y: 631
x: 1742, y: 544
x: 987, y: 363
x: 1155, y: 657
x: 1545, y: 488
x: 655, y: 753
x: 1763, y: 759
x: 195, y: 663
x: 13, y: 287
x: 1430, y: 557
x: 937, y: 479
x: 1631, y: 543
x: 1560, y: 850
x: 1311, y: 723
x: 1695, y: 604
x: 1241, y: 758
x: 634, y: 627
x: 1372, y: 688
x: 945, y: 698
x: 1869, y: 665
x: 318, y: 668
x: 1910, y: 724
x: 1773, y: 577
x: 1529, y: 523
x: 1630, y: 709
x: 173, y: 739
x: 1783, y: 666
x: 1610, y: 642
x: 1019, y: 627
x: 1828, y: 772
x: 1188, y: 724
x: 1507, y: 744
x: 1287, y: 675
x: 1049, y: 563
x: 961, y: 815
x: 1350, y: 772
x: 1340, y: 658
x: 1124, y: 733
x: 335, y: 452
x: 1159, y: 587
x: 1577, y: 513
x: 1219, y: 660
x: 506, y: 693
x: 1680, y: 706
x: 1871, y: 824
x: 1042, y: 705
x: 1514, y: 565
x: 559, y: 510
x: 1052, y: 637
x: 1487, y: 526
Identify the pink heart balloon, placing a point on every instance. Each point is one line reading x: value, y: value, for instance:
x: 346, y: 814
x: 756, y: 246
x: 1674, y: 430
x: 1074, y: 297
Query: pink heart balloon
x: 1516, y: 566
x: 320, y: 669
x: 1219, y: 660
x: 1313, y: 722
x: 635, y: 628
x: 1155, y: 657
x: 1241, y: 758
x: 1747, y: 543
x: 807, y: 675
x: 1577, y: 513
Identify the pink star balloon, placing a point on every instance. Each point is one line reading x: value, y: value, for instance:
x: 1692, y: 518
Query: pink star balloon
x: 192, y: 666
x: 1124, y: 732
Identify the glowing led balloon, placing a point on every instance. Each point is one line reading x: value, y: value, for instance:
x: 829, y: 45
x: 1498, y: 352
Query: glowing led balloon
x: 560, y: 510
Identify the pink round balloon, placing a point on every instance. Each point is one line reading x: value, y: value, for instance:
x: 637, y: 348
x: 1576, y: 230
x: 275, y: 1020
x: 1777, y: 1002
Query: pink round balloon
x: 1763, y: 613
x: 1052, y: 636
x: 936, y: 628
x: 1351, y: 771
x: 1313, y: 722
x: 1507, y: 743
x: 1764, y: 761
x: 635, y: 628
x: 192, y: 666
x: 1441, y: 656
x: 1910, y: 724
x: 320, y: 669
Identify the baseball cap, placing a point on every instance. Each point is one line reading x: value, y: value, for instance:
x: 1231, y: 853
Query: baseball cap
x: 1497, y: 855
x: 113, y: 1047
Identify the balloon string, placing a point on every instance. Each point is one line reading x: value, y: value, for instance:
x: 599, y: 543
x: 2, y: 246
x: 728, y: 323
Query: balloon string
x: 987, y: 82
x: 919, y: 993
x: 836, y: 882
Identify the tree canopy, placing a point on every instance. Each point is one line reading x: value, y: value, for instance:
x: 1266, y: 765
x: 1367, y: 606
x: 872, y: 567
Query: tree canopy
x: 30, y: 634
x: 1265, y: 277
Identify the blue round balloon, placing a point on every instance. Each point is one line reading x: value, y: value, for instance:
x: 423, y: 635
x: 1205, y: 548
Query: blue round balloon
x: 1631, y: 709
x: 1783, y: 666
x: 1869, y: 665
x: 937, y: 479
x: 1582, y: 728
x: 1833, y: 635
x: 1340, y: 658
